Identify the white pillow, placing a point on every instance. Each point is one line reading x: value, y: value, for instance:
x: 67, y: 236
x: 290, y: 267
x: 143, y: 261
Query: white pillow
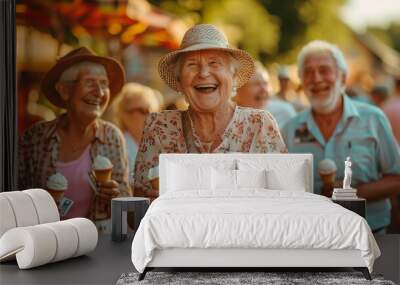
x: 224, y: 179
x: 222, y: 164
x: 281, y: 174
x: 188, y: 177
x: 281, y: 180
x: 251, y: 178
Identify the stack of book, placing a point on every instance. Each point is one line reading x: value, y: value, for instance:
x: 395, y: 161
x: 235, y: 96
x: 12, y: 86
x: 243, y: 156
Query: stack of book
x: 344, y: 194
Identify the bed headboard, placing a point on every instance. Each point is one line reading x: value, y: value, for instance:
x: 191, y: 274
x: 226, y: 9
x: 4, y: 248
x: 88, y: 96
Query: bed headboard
x: 281, y: 162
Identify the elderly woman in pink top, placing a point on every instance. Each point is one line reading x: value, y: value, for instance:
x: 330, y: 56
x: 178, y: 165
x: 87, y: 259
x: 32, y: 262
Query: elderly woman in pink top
x: 207, y: 72
x: 83, y: 84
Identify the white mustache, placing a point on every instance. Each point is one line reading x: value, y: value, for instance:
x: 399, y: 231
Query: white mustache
x: 327, y: 105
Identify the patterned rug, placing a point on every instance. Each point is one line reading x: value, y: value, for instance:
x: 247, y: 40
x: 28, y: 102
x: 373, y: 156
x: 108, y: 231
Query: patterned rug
x: 242, y: 278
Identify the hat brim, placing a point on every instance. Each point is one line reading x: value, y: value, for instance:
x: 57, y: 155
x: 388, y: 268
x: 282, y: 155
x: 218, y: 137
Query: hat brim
x: 166, y: 65
x: 115, y: 73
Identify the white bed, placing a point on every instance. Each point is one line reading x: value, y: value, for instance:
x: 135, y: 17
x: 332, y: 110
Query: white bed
x: 202, y: 219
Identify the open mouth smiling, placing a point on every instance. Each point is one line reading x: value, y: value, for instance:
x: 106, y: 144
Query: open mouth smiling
x: 206, y: 88
x: 92, y: 102
x: 319, y: 89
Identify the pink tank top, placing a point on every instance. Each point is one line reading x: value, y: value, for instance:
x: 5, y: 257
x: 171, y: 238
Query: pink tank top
x: 79, y: 190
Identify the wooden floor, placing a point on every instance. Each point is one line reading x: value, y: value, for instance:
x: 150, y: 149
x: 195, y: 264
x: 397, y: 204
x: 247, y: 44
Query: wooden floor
x: 389, y: 262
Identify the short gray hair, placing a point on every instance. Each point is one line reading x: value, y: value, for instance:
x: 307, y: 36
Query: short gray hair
x: 321, y: 46
x: 72, y: 72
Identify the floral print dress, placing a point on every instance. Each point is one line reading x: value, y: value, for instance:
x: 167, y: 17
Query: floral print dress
x: 250, y: 130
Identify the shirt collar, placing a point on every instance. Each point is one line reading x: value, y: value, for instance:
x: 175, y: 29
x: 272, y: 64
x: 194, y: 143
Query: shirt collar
x: 349, y: 111
x: 100, y: 131
x: 51, y: 131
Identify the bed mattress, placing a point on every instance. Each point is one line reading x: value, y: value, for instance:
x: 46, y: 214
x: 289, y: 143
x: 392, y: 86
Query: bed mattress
x: 250, y: 219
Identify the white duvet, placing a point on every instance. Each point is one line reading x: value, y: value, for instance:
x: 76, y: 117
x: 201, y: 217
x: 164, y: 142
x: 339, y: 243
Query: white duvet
x: 252, y: 218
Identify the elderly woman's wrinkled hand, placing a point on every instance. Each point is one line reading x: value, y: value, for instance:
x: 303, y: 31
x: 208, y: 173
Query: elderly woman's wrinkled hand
x: 108, y: 190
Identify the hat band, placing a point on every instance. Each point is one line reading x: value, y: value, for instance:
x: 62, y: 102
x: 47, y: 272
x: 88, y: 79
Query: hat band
x: 211, y: 43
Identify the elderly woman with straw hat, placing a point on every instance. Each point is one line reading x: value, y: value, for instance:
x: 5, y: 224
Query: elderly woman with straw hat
x: 70, y: 146
x: 207, y: 72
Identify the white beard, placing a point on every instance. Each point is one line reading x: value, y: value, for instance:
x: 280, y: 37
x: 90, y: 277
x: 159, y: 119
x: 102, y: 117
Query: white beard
x: 328, y: 105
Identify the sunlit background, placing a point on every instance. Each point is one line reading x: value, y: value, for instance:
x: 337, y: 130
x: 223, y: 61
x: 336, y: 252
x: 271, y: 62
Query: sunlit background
x: 138, y: 32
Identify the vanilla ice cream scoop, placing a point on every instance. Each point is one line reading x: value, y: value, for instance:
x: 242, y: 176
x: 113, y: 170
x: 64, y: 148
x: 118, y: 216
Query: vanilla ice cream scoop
x: 57, y: 182
x: 327, y: 166
x: 102, y: 163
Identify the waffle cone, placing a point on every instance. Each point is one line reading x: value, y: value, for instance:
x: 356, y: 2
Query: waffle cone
x: 56, y: 194
x: 328, y: 179
x: 103, y: 175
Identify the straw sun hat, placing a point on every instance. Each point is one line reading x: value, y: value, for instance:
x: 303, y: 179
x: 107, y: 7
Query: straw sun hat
x: 205, y: 37
x: 115, y: 73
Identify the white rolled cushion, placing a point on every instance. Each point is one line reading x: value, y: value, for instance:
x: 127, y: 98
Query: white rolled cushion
x: 251, y: 178
x: 7, y: 218
x: 40, y: 244
x: 45, y: 206
x: 87, y: 235
x: 183, y: 177
x: 224, y: 179
x: 23, y: 208
x: 34, y: 245
x: 67, y: 240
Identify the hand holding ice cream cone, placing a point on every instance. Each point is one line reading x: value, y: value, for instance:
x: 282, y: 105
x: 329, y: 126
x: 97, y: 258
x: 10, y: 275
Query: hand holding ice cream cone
x: 106, y: 191
x: 106, y: 187
x: 327, y: 172
x: 102, y: 168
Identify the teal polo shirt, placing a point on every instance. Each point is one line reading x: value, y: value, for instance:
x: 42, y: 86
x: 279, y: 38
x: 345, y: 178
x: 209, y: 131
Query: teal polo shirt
x: 364, y: 134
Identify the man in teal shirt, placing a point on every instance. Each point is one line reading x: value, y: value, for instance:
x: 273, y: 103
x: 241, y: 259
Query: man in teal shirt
x: 336, y: 127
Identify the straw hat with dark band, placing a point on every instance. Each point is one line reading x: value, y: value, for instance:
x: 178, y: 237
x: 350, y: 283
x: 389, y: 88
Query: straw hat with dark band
x: 115, y: 73
x: 205, y: 37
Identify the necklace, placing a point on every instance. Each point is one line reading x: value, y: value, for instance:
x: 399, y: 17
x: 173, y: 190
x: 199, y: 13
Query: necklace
x: 205, y: 147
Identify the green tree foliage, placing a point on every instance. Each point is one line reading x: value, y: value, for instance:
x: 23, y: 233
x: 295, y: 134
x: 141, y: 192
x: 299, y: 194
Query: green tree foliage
x: 270, y: 30
x: 247, y: 23
x: 304, y: 20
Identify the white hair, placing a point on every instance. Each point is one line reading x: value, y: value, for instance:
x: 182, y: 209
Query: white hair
x: 72, y: 72
x: 321, y: 46
x: 259, y: 67
x: 136, y: 95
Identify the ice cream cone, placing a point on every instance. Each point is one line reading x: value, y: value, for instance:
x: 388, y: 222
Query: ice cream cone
x: 102, y: 168
x: 103, y: 175
x: 56, y: 185
x: 328, y: 178
x: 57, y: 194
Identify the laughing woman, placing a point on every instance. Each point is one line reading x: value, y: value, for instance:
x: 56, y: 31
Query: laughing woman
x: 83, y: 84
x: 207, y: 72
